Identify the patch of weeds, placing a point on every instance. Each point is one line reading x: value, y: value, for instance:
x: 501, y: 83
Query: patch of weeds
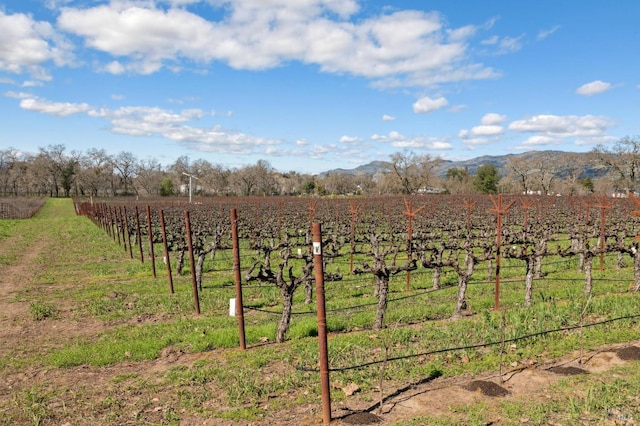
x: 249, y: 414
x: 33, y: 403
x: 124, y: 377
x: 42, y: 310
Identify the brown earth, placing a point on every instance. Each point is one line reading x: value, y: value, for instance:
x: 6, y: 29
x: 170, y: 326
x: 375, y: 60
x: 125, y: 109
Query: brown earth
x: 95, y: 395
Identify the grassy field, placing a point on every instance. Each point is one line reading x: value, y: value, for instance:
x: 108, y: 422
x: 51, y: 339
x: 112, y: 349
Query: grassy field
x: 90, y: 337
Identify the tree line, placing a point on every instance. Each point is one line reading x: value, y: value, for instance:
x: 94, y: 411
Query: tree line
x: 56, y: 172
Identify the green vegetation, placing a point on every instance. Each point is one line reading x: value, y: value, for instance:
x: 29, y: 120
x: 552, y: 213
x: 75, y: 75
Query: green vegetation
x: 84, y: 277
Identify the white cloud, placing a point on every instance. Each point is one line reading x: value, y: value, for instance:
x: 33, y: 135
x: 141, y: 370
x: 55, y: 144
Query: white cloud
x: 583, y: 130
x: 546, y: 33
x: 4, y: 80
x: 492, y: 130
x: 426, y: 104
x: 503, y: 45
x: 593, y: 88
x: 458, y: 108
x: 18, y: 95
x: 537, y: 141
x: 350, y: 139
x: 59, y: 109
x: 26, y: 45
x: 386, y: 117
x: 400, y: 141
x: 32, y: 83
x: 408, y: 47
x: 491, y: 40
x: 489, y: 131
x: 493, y: 119
x: 117, y: 97
x: 154, y: 121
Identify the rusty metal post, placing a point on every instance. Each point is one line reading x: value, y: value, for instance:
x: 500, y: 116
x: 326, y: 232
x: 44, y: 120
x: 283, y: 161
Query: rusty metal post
x: 498, y: 210
x: 192, y: 265
x: 150, y: 233
x: 411, y: 214
x: 322, y: 323
x: 125, y: 229
x: 115, y: 220
x: 238, y: 279
x: 603, y: 218
x: 353, y: 209
x: 139, y: 235
x: 166, y: 251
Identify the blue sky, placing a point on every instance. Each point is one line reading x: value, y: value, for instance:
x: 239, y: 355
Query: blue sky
x: 311, y: 85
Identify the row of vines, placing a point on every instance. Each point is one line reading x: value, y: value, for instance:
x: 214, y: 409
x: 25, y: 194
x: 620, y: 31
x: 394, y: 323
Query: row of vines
x: 20, y: 207
x: 429, y: 242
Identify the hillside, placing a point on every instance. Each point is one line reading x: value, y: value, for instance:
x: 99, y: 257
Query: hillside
x: 499, y: 161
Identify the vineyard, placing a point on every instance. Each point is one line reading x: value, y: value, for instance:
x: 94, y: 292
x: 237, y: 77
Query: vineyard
x: 392, y: 262
x: 20, y: 208
x: 529, y: 266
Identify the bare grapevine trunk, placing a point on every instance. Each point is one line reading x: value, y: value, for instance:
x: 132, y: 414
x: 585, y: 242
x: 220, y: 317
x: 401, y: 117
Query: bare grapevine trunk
x: 382, y: 284
x: 285, y: 318
x: 461, y: 303
x: 588, y: 284
x: 308, y: 292
x: 199, y: 268
x: 180, y: 263
x: 529, y: 281
x: 636, y: 269
x: 463, y: 281
x: 436, y: 277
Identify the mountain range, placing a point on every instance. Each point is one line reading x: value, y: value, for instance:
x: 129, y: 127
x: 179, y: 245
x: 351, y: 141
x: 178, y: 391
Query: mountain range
x: 498, y: 161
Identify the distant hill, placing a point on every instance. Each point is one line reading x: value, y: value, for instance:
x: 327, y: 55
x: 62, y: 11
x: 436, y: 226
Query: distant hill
x: 499, y: 161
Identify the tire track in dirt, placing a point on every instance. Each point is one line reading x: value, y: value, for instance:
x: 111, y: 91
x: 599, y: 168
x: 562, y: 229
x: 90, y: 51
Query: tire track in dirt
x: 17, y: 276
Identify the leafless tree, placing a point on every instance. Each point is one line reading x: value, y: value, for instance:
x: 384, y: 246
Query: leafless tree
x: 125, y: 164
x: 623, y: 160
x: 411, y: 173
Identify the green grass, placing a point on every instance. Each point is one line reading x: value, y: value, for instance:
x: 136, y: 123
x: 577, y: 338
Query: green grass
x: 83, y: 275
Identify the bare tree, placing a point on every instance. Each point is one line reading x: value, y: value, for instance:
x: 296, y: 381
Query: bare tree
x: 623, y: 160
x: 149, y: 176
x: 258, y: 179
x: 61, y: 167
x: 96, y: 173
x: 520, y: 171
x: 125, y: 164
x: 412, y: 172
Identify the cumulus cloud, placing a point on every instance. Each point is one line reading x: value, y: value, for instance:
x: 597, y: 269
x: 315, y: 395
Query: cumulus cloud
x: 490, y: 130
x: 426, y: 104
x: 493, y: 119
x: 59, y: 109
x: 350, y: 139
x: 402, y: 48
x: 397, y: 140
x: 154, y: 121
x: 584, y: 130
x: 26, y: 45
x: 593, y: 88
x: 386, y: 117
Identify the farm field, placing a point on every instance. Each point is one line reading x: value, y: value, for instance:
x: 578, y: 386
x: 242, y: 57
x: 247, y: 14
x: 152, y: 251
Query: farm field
x: 89, y: 336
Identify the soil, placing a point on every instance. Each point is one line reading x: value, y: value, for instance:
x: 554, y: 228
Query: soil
x: 83, y: 395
